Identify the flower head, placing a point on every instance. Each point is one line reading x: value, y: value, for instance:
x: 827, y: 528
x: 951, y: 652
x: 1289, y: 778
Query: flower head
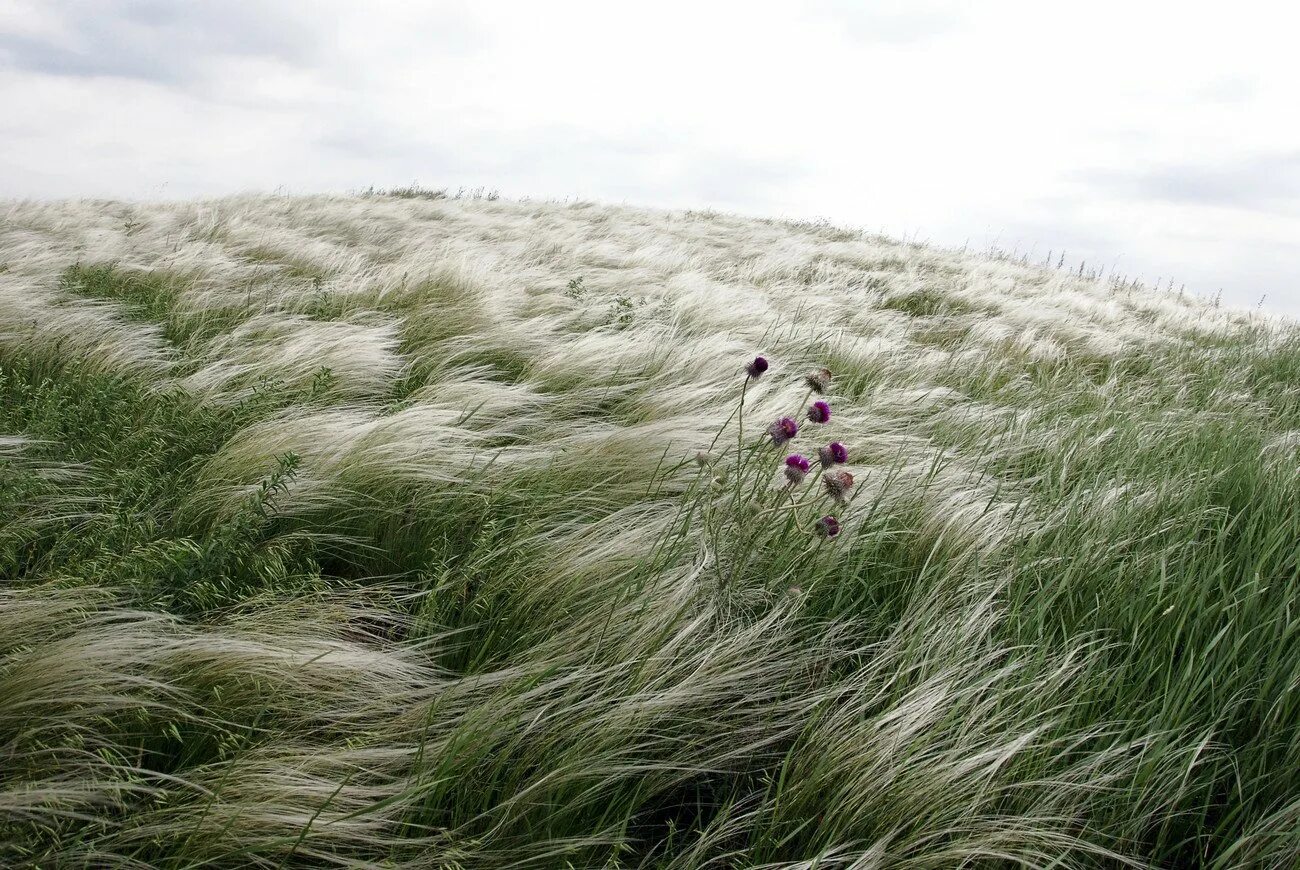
x: 818, y: 380
x: 828, y: 527
x: 796, y: 467
x: 783, y: 430
x: 820, y: 412
x: 834, y: 453
x: 838, y: 484
x: 757, y: 367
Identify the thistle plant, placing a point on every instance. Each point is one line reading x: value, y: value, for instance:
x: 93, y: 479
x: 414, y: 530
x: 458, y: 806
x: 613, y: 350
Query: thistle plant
x: 828, y: 526
x: 746, y: 513
x: 837, y: 485
x: 834, y: 453
x: 783, y: 430
x: 796, y: 467
x: 819, y: 380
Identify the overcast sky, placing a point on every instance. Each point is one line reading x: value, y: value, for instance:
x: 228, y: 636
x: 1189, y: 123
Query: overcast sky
x: 1158, y: 139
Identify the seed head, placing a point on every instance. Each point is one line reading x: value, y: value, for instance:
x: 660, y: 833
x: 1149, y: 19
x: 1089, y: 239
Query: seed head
x: 828, y: 527
x: 757, y: 367
x: 820, y: 412
x: 818, y: 380
x: 783, y: 430
x: 838, y: 484
x: 796, y: 467
x: 834, y: 453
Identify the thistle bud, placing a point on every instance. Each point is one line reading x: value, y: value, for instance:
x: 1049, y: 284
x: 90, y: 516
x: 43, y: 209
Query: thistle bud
x: 783, y: 430
x: 828, y: 527
x: 838, y: 484
x: 818, y: 380
x: 820, y: 412
x: 796, y: 467
x: 834, y: 453
x: 757, y: 367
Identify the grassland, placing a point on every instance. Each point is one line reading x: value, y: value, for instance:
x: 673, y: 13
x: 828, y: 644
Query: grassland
x: 369, y: 532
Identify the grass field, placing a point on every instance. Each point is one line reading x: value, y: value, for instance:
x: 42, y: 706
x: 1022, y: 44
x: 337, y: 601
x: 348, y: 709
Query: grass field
x: 402, y: 531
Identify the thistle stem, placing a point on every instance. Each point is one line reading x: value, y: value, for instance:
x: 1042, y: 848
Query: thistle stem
x: 740, y: 435
x: 793, y: 504
x: 803, y: 406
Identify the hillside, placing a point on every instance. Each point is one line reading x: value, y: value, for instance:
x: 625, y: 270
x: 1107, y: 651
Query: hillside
x: 371, y: 531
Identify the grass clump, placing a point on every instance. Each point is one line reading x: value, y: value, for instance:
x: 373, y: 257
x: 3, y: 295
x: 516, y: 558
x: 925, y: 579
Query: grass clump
x: 154, y: 296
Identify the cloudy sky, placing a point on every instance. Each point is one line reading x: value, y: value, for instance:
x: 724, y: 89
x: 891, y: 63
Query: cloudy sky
x: 1159, y: 140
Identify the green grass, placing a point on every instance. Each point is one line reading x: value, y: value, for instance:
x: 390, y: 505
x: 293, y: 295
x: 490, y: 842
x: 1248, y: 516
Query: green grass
x: 498, y: 615
x: 151, y: 297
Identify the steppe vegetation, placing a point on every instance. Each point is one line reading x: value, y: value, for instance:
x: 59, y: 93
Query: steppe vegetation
x: 404, y: 530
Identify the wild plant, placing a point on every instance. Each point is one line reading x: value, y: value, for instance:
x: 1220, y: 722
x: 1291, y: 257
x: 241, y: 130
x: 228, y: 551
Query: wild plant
x: 758, y: 496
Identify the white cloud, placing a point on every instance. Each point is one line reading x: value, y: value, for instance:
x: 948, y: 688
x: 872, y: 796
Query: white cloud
x: 1156, y: 137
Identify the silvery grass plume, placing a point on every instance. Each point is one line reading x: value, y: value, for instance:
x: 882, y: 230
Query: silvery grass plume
x: 366, y: 531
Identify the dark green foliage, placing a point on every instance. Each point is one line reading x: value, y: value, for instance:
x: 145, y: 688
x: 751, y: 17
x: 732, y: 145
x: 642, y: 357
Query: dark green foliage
x: 152, y: 296
x: 927, y: 302
x: 128, y: 455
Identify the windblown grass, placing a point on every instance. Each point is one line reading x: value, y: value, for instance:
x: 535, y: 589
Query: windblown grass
x: 368, y: 532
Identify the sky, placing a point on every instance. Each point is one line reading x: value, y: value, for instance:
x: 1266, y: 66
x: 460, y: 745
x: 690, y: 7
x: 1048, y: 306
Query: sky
x: 1155, y: 140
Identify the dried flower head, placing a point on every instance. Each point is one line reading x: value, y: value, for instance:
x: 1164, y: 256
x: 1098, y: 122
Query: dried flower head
x: 818, y: 380
x: 820, y: 412
x: 757, y: 367
x: 834, y: 453
x: 838, y: 484
x: 783, y: 430
x: 796, y: 467
x: 828, y: 527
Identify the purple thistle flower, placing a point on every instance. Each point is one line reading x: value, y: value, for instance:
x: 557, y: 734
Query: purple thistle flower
x: 820, y: 412
x: 834, y: 453
x: 796, y: 467
x: 828, y: 527
x: 757, y: 367
x: 838, y: 484
x: 783, y: 430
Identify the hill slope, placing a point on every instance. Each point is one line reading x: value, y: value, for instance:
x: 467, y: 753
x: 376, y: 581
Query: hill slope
x: 371, y: 531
